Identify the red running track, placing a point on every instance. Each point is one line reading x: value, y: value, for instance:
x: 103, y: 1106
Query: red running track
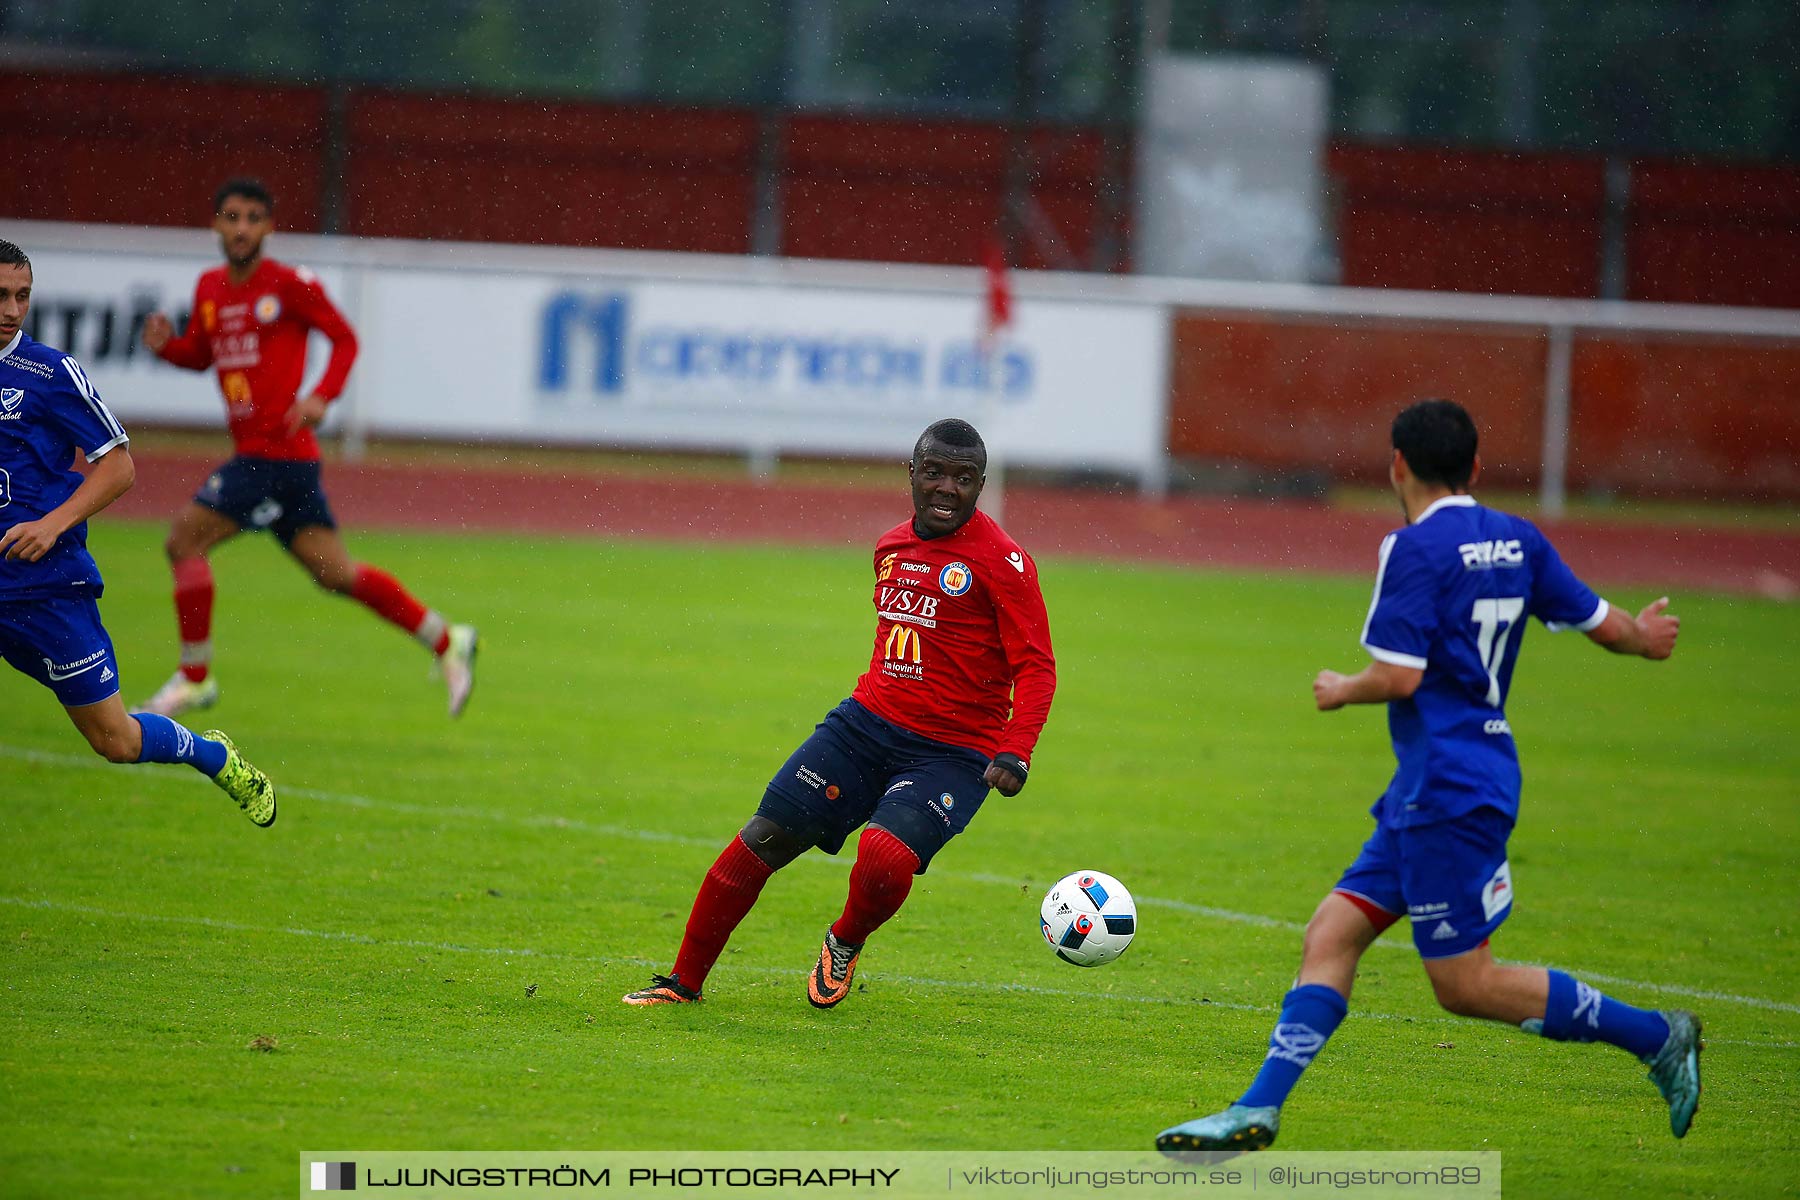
x: 1196, y: 531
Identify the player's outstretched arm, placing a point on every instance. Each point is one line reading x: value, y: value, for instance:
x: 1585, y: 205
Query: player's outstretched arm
x: 112, y: 475
x: 1650, y: 634
x: 1377, y: 683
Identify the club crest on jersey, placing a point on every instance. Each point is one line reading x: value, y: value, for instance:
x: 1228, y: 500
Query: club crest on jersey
x: 955, y: 579
x: 268, y: 308
x: 11, y: 398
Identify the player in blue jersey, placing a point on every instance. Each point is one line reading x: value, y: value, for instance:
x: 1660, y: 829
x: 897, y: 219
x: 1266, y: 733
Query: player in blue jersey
x: 1452, y: 591
x: 49, y: 620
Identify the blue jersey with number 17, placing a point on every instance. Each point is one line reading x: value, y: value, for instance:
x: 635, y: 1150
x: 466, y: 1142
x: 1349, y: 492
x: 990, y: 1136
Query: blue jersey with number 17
x: 1452, y: 593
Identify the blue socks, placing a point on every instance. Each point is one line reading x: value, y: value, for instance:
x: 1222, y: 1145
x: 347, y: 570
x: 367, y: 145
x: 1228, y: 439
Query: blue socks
x: 1309, y: 1015
x: 167, y: 742
x: 1579, y: 1013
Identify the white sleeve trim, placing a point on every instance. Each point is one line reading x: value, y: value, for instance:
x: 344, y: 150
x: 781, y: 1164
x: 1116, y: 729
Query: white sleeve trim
x: 1387, y: 548
x: 86, y: 391
x: 1395, y: 657
x: 96, y: 454
x: 1593, y: 622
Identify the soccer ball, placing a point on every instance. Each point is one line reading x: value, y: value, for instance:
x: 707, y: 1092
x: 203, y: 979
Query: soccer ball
x: 1088, y: 918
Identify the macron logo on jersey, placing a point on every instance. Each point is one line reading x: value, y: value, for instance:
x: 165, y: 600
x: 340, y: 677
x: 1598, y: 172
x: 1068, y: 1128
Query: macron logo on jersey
x: 1485, y: 556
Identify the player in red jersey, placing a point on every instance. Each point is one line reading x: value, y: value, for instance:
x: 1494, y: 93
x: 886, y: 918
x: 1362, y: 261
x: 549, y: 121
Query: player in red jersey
x: 956, y: 693
x: 250, y: 322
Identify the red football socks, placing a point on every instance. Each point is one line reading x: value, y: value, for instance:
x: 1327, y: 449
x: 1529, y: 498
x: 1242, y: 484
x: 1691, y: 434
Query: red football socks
x: 193, y: 615
x: 879, y: 883
x: 388, y: 598
x: 726, y: 896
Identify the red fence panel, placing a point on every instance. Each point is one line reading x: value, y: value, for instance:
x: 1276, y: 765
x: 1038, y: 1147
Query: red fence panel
x: 566, y: 174
x: 1656, y: 414
x: 1714, y: 234
x: 149, y: 150
x: 1467, y: 221
x: 897, y: 190
x: 1304, y: 394
x: 894, y: 191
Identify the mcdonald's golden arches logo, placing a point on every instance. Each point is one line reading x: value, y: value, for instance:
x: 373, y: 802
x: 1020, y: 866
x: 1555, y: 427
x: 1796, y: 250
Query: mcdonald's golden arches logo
x: 903, y: 644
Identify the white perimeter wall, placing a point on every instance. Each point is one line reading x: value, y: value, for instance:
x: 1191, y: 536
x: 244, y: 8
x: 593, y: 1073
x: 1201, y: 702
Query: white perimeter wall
x: 467, y: 342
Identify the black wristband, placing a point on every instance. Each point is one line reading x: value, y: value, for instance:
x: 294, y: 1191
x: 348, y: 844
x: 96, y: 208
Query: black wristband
x: 1011, y: 762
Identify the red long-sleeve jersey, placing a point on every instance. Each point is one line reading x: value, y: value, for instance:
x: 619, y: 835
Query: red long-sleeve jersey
x: 254, y: 334
x: 962, y: 641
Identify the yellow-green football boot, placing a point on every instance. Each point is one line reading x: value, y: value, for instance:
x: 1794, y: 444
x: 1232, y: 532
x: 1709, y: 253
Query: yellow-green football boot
x: 248, y: 787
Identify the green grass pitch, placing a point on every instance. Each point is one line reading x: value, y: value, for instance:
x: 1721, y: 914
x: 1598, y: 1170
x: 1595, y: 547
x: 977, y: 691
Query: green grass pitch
x: 436, y: 933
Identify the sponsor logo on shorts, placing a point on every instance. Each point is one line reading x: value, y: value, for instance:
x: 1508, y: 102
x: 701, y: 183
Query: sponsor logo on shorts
x: 947, y: 800
x: 916, y: 568
x: 266, y: 513
x: 956, y: 579
x: 894, y: 787
x: 1497, y: 894
x: 832, y: 791
x: 81, y: 666
x: 1444, y: 932
x: 810, y: 777
x: 1496, y: 725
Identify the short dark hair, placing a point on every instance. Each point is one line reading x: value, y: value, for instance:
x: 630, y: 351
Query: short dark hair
x: 1438, y: 440
x: 953, y: 434
x: 249, y: 189
x: 12, y: 256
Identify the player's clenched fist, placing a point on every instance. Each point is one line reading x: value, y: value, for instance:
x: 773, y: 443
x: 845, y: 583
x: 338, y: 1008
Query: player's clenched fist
x: 1006, y: 774
x: 1659, y: 629
x: 157, y: 332
x: 1328, y: 690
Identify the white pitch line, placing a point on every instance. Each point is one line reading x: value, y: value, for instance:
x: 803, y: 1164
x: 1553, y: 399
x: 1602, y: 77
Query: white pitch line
x: 503, y: 952
x: 494, y: 816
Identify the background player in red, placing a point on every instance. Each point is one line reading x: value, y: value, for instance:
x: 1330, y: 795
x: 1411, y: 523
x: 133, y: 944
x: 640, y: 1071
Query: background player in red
x: 956, y: 693
x: 250, y: 321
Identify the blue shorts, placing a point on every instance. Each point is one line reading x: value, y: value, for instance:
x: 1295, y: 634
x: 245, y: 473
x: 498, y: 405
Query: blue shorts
x: 857, y: 768
x: 280, y: 495
x: 1450, y: 878
x: 60, y: 642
